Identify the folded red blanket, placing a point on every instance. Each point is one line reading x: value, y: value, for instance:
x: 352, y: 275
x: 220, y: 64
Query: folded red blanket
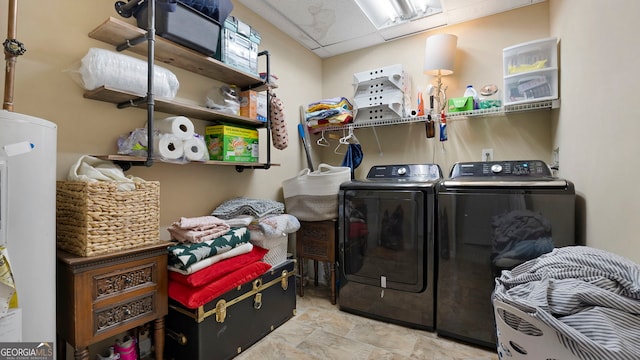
x: 218, y: 270
x: 194, y: 297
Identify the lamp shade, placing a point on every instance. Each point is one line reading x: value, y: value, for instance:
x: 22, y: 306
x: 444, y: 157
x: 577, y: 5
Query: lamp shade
x: 439, y: 54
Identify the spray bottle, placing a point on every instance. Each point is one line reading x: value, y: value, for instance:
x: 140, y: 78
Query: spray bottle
x: 443, y: 126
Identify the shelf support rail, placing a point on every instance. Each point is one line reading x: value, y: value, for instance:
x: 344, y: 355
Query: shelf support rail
x: 151, y: 38
x: 267, y: 165
x: 125, y: 10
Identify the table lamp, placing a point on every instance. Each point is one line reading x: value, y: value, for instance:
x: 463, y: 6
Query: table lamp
x: 439, y: 56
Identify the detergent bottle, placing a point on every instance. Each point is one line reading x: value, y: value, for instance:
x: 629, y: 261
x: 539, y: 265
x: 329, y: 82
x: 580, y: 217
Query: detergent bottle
x: 470, y: 91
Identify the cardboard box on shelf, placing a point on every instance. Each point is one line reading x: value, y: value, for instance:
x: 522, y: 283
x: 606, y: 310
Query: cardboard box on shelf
x: 232, y: 143
x: 461, y: 104
x: 262, y: 106
x: 249, y: 104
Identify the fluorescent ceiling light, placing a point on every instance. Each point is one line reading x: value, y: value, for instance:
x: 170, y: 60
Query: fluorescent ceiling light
x: 387, y: 13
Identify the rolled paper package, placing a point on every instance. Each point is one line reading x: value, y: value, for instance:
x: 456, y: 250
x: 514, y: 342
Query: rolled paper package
x: 179, y: 126
x: 195, y: 149
x: 168, y: 147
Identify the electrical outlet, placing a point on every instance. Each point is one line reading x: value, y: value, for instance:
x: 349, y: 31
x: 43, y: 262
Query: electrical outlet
x: 487, y: 154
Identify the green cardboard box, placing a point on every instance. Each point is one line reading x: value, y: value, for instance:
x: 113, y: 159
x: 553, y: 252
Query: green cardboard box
x: 461, y: 104
x: 232, y: 143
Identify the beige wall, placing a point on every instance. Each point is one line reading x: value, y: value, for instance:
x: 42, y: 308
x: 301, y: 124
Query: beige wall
x: 597, y: 128
x: 55, y: 35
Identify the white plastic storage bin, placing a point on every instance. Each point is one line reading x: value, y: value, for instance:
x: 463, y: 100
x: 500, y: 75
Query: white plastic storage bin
x: 540, y: 341
x: 531, y: 71
x: 530, y: 56
x: 532, y: 86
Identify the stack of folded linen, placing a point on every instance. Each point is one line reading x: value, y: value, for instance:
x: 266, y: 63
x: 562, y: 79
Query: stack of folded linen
x: 241, y: 240
x: 336, y: 111
x: 268, y: 225
x: 220, y: 258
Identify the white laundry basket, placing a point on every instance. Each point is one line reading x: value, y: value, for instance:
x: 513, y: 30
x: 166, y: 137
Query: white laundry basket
x: 515, y: 344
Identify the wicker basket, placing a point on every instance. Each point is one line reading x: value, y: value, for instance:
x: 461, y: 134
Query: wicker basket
x: 95, y: 218
x: 277, y: 247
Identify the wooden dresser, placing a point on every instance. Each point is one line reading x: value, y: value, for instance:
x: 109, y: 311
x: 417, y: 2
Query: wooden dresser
x: 99, y: 297
x: 316, y: 240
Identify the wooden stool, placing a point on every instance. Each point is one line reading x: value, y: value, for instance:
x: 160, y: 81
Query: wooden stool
x: 316, y: 240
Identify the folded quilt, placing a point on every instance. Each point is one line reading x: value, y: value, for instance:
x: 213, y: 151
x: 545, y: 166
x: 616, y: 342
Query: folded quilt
x: 246, y: 206
x: 205, y: 263
x: 220, y: 269
x: 194, y: 297
x: 184, y: 255
x: 198, y: 229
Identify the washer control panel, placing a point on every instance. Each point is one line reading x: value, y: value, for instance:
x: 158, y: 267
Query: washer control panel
x: 519, y: 168
x: 405, y: 172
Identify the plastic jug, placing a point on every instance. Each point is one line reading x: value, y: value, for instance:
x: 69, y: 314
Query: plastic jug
x: 470, y: 91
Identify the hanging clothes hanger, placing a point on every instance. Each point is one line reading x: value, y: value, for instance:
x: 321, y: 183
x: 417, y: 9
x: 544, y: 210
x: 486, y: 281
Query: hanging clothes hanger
x: 350, y: 138
x: 335, y: 151
x: 322, y: 141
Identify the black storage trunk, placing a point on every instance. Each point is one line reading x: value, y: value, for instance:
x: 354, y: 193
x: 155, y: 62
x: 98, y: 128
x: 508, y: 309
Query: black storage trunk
x: 230, y: 324
x: 185, y: 26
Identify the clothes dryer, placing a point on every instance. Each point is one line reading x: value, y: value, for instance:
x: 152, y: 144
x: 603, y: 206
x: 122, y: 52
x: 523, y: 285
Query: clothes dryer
x: 493, y: 216
x: 386, y: 237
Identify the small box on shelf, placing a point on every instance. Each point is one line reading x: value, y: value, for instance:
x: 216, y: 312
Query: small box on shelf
x: 249, y: 104
x: 262, y: 106
x: 461, y: 104
x: 232, y: 143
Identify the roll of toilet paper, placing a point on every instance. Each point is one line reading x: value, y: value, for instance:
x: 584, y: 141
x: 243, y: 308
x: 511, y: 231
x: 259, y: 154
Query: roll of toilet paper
x: 179, y: 126
x: 195, y: 149
x: 168, y: 147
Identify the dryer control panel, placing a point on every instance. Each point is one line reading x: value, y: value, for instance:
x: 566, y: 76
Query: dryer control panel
x: 406, y: 172
x: 519, y: 168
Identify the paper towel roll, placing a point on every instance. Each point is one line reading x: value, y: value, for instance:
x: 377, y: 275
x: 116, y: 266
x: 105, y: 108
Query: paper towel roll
x: 195, y: 149
x: 168, y: 147
x: 179, y: 126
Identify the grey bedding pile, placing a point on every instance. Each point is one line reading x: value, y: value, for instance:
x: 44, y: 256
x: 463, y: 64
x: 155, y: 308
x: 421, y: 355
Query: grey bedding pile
x: 246, y: 206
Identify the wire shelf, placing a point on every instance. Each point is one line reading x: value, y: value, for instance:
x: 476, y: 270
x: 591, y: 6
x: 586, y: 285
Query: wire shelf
x: 494, y: 111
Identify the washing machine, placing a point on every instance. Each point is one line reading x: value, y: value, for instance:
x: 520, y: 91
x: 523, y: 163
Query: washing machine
x: 386, y: 238
x: 493, y: 216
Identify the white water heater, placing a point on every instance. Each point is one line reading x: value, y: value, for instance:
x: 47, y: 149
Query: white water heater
x: 28, y: 147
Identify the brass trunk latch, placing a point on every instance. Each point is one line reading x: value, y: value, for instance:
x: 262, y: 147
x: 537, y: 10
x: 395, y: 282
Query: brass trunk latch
x: 221, y: 311
x: 257, y: 301
x: 284, y: 282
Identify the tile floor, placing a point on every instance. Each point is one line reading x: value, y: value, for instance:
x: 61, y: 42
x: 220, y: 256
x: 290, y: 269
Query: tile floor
x: 320, y: 330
